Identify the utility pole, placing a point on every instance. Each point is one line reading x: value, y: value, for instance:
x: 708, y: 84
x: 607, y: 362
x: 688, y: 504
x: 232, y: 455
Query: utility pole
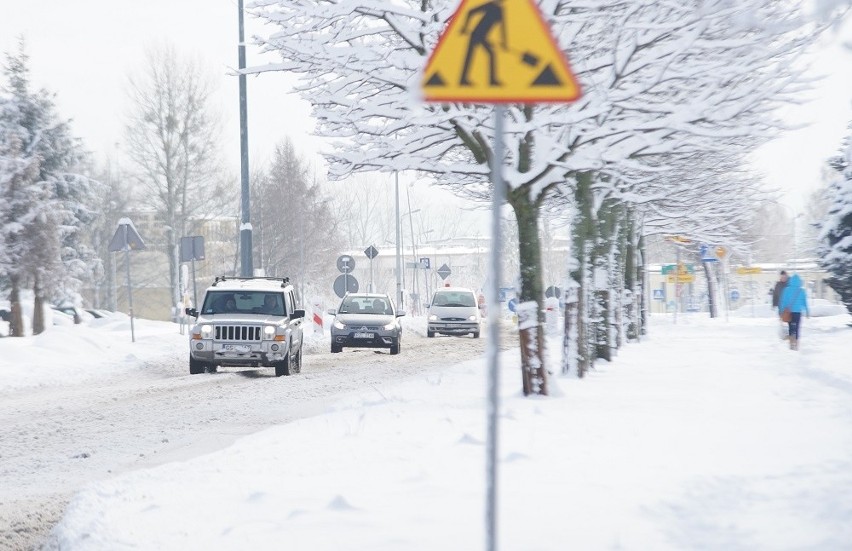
x: 246, y: 266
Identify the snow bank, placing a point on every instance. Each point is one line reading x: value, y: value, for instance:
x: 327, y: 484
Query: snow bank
x: 707, y: 435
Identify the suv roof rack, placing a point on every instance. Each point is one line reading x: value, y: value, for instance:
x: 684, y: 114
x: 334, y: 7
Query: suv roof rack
x: 284, y: 281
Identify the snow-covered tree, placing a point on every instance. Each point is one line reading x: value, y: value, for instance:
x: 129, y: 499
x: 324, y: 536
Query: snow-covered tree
x: 49, y: 200
x: 296, y: 232
x: 660, y: 78
x: 172, y: 140
x: 836, y: 230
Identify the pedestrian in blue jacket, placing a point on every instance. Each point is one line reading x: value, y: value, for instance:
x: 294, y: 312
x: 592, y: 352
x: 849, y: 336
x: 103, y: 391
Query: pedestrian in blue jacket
x: 794, y: 298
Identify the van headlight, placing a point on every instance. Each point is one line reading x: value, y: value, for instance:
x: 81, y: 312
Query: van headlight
x: 433, y: 317
x: 472, y: 318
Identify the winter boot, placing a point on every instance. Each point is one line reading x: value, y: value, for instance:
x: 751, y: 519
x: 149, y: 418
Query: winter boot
x: 794, y: 343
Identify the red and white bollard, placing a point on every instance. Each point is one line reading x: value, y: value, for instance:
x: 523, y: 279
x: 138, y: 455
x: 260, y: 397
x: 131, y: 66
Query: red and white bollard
x: 318, y: 313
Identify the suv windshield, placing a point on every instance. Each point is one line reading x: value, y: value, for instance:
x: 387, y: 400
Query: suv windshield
x: 456, y: 299
x: 365, y: 305
x: 243, y: 302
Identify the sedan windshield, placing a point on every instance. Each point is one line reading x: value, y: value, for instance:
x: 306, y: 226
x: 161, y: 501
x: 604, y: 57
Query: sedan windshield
x: 355, y: 304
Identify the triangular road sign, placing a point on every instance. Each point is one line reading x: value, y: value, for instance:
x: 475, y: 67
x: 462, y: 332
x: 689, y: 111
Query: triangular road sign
x: 498, y: 51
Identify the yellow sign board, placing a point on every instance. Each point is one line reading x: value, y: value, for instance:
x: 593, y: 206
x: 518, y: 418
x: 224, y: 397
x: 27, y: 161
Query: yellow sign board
x: 747, y: 271
x: 498, y: 51
x: 679, y: 239
x: 682, y: 278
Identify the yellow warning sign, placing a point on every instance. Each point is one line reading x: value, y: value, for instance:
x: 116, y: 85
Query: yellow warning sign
x: 498, y: 51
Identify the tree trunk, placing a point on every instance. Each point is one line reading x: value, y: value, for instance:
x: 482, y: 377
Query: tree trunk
x: 16, y: 324
x: 711, y: 289
x: 533, y: 370
x: 38, y: 307
x: 576, y: 328
x: 630, y: 277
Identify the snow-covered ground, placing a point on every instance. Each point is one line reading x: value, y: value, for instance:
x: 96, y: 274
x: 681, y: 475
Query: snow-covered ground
x: 710, y: 434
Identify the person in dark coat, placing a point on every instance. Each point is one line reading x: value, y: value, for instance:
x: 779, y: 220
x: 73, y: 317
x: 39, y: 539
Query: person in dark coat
x: 779, y: 288
x: 795, y: 298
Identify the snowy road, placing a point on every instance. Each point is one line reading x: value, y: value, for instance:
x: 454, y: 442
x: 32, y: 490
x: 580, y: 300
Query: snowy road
x: 56, y: 439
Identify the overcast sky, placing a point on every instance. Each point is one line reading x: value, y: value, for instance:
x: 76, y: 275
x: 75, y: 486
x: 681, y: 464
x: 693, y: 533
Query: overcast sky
x: 84, y: 51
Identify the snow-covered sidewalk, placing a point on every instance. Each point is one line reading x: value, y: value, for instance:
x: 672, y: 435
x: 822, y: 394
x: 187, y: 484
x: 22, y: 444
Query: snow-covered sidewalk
x: 707, y: 435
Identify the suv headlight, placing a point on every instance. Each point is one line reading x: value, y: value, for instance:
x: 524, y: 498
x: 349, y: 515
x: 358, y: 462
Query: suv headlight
x: 338, y: 325
x: 433, y: 317
x: 202, y: 332
x: 268, y: 332
x: 391, y: 326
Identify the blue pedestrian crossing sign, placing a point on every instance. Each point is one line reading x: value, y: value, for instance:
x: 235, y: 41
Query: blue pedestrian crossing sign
x: 659, y: 294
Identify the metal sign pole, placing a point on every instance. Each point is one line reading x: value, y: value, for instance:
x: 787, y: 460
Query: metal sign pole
x: 677, y: 283
x: 494, y: 333
x: 129, y: 286
x: 194, y: 285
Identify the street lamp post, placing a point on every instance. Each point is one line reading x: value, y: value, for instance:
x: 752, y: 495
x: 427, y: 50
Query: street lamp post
x: 416, y: 289
x: 246, y: 267
x: 399, y: 303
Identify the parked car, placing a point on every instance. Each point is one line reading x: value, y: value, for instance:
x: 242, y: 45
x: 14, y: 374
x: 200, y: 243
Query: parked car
x: 366, y: 320
x: 454, y: 311
x: 79, y: 315
x: 247, y: 322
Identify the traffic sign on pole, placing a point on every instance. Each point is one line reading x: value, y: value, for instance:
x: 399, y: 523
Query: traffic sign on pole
x: 126, y: 238
x: 345, y: 283
x: 371, y: 252
x: 444, y: 271
x: 468, y: 64
x: 345, y: 264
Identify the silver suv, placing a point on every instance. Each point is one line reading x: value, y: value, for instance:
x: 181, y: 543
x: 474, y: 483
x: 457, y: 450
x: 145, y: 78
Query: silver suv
x: 247, y: 322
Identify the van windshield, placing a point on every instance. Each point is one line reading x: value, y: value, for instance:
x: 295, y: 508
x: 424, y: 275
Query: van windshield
x: 458, y: 299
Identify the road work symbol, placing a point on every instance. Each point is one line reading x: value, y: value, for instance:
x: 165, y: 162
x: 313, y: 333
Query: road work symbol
x: 498, y: 51
x: 492, y: 15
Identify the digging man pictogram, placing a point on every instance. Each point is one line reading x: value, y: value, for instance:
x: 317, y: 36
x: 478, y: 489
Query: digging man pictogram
x: 492, y: 15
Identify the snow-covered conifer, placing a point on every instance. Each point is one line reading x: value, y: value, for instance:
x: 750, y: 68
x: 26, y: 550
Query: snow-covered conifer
x: 836, y: 231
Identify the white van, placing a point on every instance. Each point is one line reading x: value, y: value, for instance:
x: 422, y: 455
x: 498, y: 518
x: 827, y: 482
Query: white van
x: 454, y: 311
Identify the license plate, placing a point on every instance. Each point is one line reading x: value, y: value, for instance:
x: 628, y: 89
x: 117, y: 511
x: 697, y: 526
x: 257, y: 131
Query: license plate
x: 363, y: 335
x: 236, y: 348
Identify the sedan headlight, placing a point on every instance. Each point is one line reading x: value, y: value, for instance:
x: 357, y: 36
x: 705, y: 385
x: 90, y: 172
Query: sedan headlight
x: 338, y: 325
x: 390, y: 327
x: 433, y: 317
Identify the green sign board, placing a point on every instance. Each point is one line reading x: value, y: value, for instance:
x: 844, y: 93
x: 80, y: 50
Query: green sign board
x: 671, y: 269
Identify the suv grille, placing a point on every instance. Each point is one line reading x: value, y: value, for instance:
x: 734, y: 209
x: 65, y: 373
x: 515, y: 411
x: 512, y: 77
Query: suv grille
x: 237, y: 333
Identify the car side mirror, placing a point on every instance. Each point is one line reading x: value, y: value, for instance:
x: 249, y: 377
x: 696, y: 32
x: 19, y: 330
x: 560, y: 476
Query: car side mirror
x: 298, y: 314
x: 191, y: 312
x: 400, y: 314
x: 332, y: 312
